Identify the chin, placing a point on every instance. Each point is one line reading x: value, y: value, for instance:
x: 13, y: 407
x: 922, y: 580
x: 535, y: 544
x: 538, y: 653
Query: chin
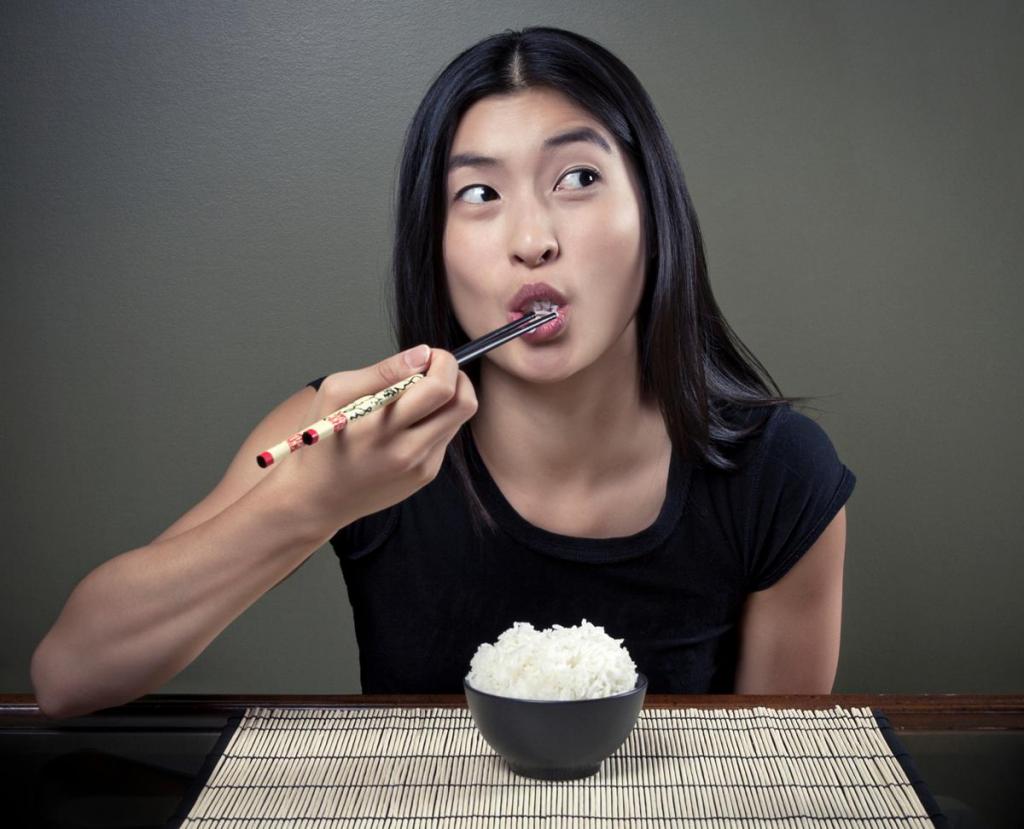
x: 543, y: 366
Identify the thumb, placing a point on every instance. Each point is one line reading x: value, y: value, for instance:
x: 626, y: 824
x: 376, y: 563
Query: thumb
x: 387, y: 372
x: 345, y: 387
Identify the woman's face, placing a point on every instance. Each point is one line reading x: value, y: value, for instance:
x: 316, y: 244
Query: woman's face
x: 566, y: 213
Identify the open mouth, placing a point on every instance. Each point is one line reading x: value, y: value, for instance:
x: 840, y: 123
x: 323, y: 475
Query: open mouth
x: 549, y: 329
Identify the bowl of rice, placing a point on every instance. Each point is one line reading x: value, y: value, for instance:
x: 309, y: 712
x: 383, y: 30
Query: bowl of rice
x: 554, y: 703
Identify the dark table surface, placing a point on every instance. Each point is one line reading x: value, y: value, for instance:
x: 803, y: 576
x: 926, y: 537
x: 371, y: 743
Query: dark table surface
x: 130, y: 766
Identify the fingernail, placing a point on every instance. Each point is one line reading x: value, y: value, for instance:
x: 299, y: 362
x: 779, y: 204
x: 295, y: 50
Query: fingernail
x: 417, y: 357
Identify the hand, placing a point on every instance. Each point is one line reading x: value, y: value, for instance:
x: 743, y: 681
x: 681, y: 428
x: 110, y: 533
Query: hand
x: 384, y: 457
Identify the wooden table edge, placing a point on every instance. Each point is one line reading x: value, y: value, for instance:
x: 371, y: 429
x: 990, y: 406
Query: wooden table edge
x: 912, y: 712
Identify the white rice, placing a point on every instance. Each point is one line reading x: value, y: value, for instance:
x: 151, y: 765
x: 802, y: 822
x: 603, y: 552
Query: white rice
x: 561, y: 663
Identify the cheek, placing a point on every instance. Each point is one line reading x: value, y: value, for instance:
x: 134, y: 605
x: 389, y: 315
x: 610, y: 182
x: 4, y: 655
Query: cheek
x: 614, y: 254
x: 616, y: 234
x: 465, y: 261
x: 467, y: 246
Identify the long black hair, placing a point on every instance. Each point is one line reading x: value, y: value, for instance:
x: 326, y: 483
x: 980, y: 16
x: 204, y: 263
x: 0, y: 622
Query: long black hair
x: 691, y: 362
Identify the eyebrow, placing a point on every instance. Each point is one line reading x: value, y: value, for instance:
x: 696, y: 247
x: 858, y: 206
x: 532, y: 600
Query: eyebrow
x: 580, y: 134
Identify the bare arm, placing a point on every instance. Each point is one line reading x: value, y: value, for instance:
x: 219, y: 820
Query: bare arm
x: 789, y: 640
x: 141, y: 617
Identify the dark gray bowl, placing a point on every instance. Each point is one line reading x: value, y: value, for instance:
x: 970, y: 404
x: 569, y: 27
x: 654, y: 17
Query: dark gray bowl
x: 556, y: 739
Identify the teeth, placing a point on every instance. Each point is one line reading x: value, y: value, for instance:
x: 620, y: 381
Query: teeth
x: 542, y: 305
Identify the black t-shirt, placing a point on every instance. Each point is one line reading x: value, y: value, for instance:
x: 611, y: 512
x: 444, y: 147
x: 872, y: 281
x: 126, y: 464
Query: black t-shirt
x: 426, y: 591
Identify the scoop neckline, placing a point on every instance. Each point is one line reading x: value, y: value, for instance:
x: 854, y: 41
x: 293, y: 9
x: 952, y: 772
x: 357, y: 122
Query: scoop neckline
x: 575, y: 548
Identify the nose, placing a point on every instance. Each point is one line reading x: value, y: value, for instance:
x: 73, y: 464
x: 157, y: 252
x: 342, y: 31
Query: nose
x: 533, y: 239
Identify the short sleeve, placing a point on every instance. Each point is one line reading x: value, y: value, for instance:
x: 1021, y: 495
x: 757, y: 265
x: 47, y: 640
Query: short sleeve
x: 364, y: 535
x: 798, y: 486
x: 316, y: 383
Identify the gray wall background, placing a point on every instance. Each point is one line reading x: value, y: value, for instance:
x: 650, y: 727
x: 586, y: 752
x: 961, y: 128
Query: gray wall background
x: 195, y: 221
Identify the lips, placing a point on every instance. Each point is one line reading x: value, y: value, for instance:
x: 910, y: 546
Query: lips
x: 549, y: 330
x: 522, y: 303
x: 533, y: 291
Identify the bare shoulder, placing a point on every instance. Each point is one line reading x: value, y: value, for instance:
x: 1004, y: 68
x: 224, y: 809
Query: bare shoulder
x: 243, y: 473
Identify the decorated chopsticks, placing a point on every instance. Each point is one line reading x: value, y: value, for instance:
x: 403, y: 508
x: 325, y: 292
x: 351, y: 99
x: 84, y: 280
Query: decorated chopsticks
x: 337, y: 420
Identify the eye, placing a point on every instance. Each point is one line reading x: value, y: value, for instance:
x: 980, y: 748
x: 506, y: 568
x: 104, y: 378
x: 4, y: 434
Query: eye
x: 472, y: 188
x: 583, y: 173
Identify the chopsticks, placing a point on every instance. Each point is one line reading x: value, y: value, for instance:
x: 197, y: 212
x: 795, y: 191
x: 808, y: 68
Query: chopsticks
x: 471, y: 350
x: 337, y: 420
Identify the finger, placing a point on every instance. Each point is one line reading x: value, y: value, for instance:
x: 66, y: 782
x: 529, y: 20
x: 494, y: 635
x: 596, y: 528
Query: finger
x: 444, y: 422
x: 421, y: 400
x: 345, y: 387
x: 433, y: 458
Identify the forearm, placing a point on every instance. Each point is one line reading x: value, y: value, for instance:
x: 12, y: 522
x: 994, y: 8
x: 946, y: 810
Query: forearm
x: 142, y: 617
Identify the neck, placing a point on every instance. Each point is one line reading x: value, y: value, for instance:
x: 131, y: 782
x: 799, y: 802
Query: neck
x: 579, y: 430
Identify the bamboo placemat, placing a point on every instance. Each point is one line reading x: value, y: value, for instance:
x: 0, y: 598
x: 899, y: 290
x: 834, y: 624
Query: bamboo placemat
x: 429, y: 767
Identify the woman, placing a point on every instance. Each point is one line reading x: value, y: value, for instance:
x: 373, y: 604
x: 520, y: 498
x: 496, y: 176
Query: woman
x: 628, y: 466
